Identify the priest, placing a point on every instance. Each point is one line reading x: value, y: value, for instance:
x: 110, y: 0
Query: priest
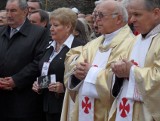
x: 88, y: 76
x: 138, y: 98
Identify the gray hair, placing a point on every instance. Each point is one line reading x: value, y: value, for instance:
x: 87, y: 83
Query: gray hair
x: 120, y: 8
x: 152, y: 4
x: 86, y: 27
x: 22, y: 3
x: 98, y: 2
x: 125, y: 3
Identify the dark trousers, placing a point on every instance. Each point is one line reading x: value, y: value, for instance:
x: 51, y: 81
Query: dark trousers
x: 53, y: 117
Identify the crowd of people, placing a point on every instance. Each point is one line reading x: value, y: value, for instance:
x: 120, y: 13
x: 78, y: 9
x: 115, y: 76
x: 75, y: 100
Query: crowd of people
x: 65, y: 65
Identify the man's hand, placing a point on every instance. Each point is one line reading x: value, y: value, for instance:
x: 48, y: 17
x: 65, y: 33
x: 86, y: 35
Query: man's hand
x: 56, y: 87
x: 122, y: 68
x: 10, y: 81
x: 4, y: 84
x: 82, y: 70
x: 35, y: 87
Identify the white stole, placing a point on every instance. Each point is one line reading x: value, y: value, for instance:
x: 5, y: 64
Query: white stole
x: 88, y: 92
x: 70, y: 108
x: 129, y: 92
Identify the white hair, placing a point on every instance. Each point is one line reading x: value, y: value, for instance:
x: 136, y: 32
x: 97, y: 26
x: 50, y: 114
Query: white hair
x: 98, y: 2
x: 125, y: 3
x: 120, y: 8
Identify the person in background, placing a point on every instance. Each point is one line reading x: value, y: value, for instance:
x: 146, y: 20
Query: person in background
x: 87, y: 27
x: 88, y: 75
x: 81, y: 15
x: 126, y: 4
x: 138, y: 98
x: 34, y: 5
x: 79, y: 32
x: 95, y: 32
x: 39, y: 17
x: 63, y: 22
x: 21, y: 47
x: 74, y: 9
x: 3, y: 18
x: 89, y: 19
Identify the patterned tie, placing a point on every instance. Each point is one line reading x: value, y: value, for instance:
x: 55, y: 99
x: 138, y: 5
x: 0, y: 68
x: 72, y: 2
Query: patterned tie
x: 13, y: 31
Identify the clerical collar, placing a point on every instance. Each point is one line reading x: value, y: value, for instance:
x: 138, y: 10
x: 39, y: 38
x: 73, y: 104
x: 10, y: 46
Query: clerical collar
x: 109, y: 37
x: 154, y: 31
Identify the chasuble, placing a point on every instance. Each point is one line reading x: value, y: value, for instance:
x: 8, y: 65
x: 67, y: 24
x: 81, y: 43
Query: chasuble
x: 119, y: 47
x: 147, y: 80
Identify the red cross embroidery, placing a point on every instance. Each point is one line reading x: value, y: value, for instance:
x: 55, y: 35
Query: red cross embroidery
x: 125, y: 108
x: 86, y: 105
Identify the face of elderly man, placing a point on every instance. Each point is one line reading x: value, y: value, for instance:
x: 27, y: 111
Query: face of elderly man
x: 144, y: 20
x: 15, y: 15
x: 107, y: 17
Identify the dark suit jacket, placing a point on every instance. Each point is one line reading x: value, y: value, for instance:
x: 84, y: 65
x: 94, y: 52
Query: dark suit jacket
x: 19, y: 57
x: 53, y: 101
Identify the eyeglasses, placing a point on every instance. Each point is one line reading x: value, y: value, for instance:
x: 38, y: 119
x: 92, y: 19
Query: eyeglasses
x: 101, y: 15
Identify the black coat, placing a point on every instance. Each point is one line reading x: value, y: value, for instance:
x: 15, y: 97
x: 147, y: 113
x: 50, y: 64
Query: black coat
x: 19, y: 57
x: 53, y: 101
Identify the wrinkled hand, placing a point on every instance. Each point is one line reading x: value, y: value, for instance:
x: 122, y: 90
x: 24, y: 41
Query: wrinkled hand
x: 4, y: 85
x: 82, y: 70
x: 35, y: 87
x: 122, y: 68
x: 7, y: 83
x: 56, y: 87
x: 10, y: 81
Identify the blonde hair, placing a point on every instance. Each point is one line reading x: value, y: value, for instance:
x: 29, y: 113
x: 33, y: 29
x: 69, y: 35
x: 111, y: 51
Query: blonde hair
x: 65, y: 16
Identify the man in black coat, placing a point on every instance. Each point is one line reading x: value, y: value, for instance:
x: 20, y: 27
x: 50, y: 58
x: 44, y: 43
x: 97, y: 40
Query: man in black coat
x: 19, y: 56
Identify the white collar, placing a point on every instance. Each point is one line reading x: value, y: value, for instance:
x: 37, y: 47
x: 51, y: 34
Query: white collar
x: 154, y: 31
x: 19, y: 27
x: 109, y: 37
x: 67, y: 43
